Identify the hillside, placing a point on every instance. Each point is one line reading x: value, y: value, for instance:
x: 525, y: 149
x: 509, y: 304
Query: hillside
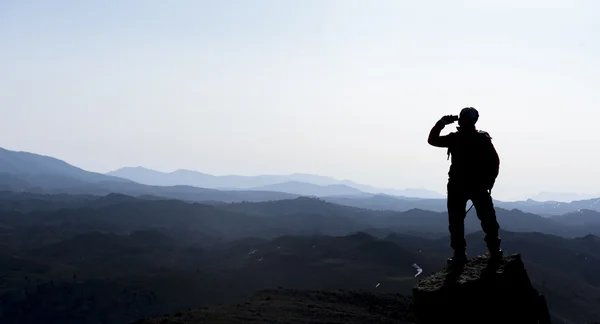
x: 582, y: 217
x: 36, y: 168
x: 393, y: 203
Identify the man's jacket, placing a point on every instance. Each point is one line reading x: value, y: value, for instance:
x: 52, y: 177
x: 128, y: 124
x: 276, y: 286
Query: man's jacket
x: 475, y: 162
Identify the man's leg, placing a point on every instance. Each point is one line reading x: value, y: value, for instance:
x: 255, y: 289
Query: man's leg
x: 457, y: 203
x: 487, y: 215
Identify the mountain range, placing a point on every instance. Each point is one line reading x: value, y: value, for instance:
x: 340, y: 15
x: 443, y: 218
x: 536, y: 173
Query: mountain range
x: 28, y: 172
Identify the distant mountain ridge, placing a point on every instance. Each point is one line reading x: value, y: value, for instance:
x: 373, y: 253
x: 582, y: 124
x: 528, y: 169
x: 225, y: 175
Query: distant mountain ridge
x: 235, y: 182
x: 29, y: 172
x: 563, y: 196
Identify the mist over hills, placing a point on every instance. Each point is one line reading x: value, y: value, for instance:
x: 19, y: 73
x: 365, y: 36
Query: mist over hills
x: 284, y: 183
x: 199, y: 179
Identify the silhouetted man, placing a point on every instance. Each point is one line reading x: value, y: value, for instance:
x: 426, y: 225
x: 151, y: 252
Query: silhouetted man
x: 475, y: 166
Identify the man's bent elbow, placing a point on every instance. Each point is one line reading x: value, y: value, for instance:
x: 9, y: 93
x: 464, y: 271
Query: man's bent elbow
x: 433, y: 141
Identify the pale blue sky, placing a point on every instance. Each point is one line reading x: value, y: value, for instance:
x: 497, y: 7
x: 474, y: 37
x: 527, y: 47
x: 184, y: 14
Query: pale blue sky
x: 345, y: 88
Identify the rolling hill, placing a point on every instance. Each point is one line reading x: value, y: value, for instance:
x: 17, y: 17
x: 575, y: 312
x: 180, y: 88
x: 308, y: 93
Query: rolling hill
x: 33, y: 167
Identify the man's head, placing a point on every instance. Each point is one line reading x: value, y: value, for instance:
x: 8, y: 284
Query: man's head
x: 468, y: 117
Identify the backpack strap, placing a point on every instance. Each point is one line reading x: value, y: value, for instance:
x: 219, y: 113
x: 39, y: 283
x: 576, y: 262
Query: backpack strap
x: 484, y: 133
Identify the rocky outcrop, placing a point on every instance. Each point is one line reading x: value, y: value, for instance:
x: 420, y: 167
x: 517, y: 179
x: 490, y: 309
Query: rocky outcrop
x: 476, y: 294
x: 480, y: 292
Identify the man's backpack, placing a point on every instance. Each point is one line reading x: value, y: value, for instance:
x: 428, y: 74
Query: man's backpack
x: 478, y: 157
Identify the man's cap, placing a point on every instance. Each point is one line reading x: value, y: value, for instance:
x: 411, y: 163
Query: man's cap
x: 469, y: 113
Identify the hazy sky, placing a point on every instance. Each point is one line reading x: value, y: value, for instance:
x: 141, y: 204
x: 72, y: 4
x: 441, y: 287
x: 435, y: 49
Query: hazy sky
x: 348, y: 89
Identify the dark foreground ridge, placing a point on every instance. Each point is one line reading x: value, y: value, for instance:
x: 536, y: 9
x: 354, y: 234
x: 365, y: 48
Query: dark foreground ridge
x: 295, y: 307
x: 480, y: 292
x: 475, y: 294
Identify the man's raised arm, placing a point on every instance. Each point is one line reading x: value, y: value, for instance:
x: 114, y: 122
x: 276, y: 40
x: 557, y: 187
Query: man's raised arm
x: 434, y: 135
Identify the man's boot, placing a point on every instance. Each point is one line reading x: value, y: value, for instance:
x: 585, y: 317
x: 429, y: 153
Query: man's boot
x: 496, y: 254
x: 458, y: 259
x: 493, y: 245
